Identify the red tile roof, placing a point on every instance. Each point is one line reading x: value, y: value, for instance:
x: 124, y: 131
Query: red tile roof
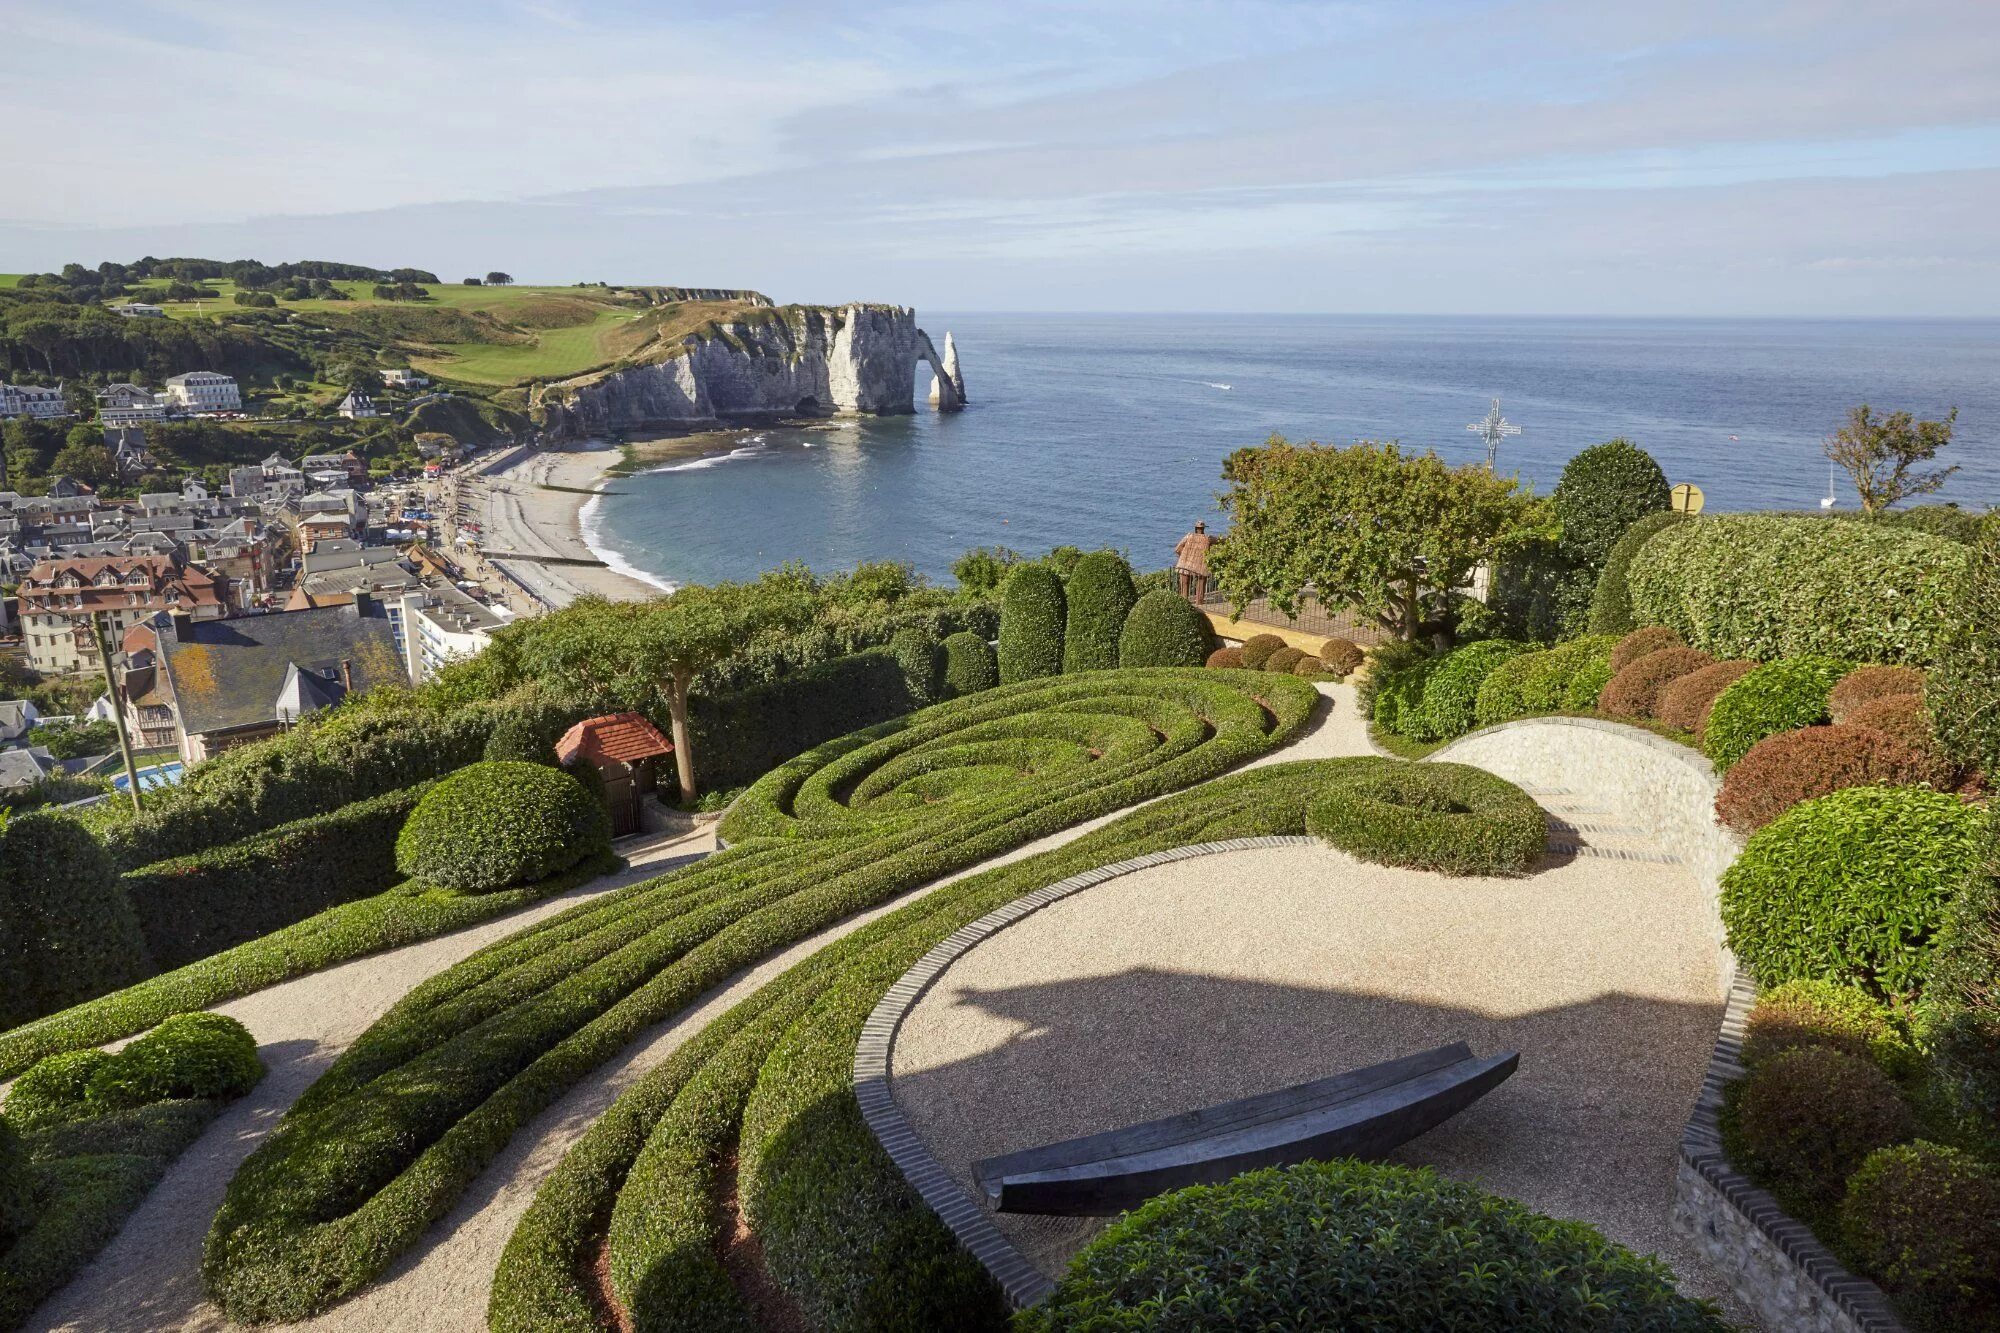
x: 624, y: 737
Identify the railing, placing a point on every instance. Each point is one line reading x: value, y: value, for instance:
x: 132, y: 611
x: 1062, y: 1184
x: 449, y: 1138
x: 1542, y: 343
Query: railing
x: 1312, y: 618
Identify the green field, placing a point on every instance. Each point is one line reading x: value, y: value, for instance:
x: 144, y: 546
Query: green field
x: 10, y: 279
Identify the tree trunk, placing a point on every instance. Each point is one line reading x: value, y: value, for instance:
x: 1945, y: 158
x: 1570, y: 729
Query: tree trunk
x: 677, y: 714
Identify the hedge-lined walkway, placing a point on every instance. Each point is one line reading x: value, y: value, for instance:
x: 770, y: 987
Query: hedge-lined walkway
x: 148, y: 1278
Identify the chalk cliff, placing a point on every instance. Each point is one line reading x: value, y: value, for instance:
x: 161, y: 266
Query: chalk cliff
x: 779, y: 361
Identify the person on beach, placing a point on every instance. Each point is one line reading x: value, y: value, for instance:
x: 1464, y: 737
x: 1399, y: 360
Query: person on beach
x: 1191, y: 563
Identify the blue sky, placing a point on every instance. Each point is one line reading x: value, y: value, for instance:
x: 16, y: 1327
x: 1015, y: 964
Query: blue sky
x: 1823, y: 157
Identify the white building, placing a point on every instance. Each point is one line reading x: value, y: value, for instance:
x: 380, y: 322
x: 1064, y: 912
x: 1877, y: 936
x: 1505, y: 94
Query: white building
x: 441, y: 623
x: 130, y: 405
x: 30, y: 400
x: 204, y: 391
x: 139, y: 310
x: 357, y: 406
x: 403, y: 379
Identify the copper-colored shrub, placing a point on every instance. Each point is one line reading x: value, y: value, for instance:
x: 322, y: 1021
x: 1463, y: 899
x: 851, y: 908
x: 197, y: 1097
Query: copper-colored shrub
x: 1225, y: 657
x: 1684, y: 703
x: 1257, y: 648
x: 1865, y: 685
x: 1641, y: 643
x: 1780, y: 771
x: 1341, y: 656
x: 1635, y: 690
x: 1908, y: 719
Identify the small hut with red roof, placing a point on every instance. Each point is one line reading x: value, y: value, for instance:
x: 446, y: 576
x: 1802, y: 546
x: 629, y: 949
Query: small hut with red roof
x: 622, y: 747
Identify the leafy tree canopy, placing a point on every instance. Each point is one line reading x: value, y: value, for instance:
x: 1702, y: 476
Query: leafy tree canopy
x: 1882, y: 454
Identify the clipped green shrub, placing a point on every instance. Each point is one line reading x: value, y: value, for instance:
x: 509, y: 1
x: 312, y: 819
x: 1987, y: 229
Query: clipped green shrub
x: 1611, y: 600
x: 1447, y: 705
x: 1450, y: 818
x: 1866, y: 684
x: 1283, y: 660
x: 1770, y: 586
x: 190, y: 1055
x: 1604, y: 490
x: 1960, y: 1015
x: 1536, y: 683
x: 1257, y: 648
x: 1643, y: 643
x: 1587, y: 683
x: 743, y: 734
x: 918, y: 653
x: 1964, y: 686
x: 1341, y: 656
x: 194, y: 906
x: 1356, y: 1245
x: 969, y: 665
x: 1906, y: 717
x: 1775, y: 697
x: 1635, y: 691
x: 1032, y: 612
x: 1385, y: 662
x: 54, y: 1090
x: 492, y: 826
x: 1923, y: 1220
x: 1832, y: 1014
x: 1100, y: 596
x: 1793, y: 766
x: 17, y: 1197
x: 1399, y: 694
x: 67, y: 931
x: 528, y: 725
x: 1685, y: 701
x: 1802, y: 1121
x: 1308, y: 666
x: 1165, y: 631
x: 1225, y: 659
x: 1850, y: 887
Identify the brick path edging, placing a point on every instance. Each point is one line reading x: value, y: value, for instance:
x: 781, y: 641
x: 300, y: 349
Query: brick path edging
x: 1023, y: 1283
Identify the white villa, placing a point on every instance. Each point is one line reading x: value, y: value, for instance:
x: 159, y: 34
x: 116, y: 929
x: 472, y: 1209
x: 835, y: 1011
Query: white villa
x: 204, y: 391
x: 139, y: 310
x: 31, y: 400
x: 357, y: 406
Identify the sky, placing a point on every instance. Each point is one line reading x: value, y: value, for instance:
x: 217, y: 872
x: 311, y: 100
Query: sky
x: 1704, y: 157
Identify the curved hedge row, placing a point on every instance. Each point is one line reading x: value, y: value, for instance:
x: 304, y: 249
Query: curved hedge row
x: 1768, y: 586
x: 1450, y: 818
x: 384, y: 1142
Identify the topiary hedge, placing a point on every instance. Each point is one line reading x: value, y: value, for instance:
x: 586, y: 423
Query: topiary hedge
x: 1450, y: 818
x: 1775, y: 697
x: 1635, y: 691
x: 1257, y: 648
x: 1603, y: 491
x: 1611, y: 600
x: 193, y: 906
x: 1032, y: 613
x: 1643, y: 643
x: 1960, y: 1015
x: 1793, y: 766
x: 918, y: 652
x: 1100, y: 595
x: 493, y: 826
x: 1803, y: 1121
x: 1964, y: 686
x: 1225, y: 659
x: 1540, y: 682
x: 1905, y: 717
x: 1768, y: 586
x: 16, y: 1187
x: 67, y: 931
x: 1684, y: 702
x: 1850, y: 887
x: 1308, y: 666
x: 1284, y: 660
x: 1831, y: 1014
x: 190, y: 1055
x: 1164, y: 630
x: 1341, y: 656
x: 1865, y: 685
x: 969, y: 665
x: 744, y: 734
x: 1923, y: 1220
x: 1356, y: 1245
x: 1446, y: 705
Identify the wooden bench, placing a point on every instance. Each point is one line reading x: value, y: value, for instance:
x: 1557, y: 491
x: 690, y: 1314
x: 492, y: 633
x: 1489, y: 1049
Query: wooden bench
x: 1362, y: 1113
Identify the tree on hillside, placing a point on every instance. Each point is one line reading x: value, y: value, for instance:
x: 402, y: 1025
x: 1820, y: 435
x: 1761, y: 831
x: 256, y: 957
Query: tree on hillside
x: 497, y: 279
x: 87, y: 461
x: 469, y: 282
x: 633, y: 653
x: 1392, y: 535
x: 360, y: 377
x: 1882, y: 454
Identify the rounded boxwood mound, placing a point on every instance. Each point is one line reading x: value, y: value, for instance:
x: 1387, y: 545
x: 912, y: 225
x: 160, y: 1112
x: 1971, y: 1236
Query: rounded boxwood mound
x: 1827, y: 1013
x: 919, y: 654
x: 189, y: 1055
x: 1540, y: 682
x: 1908, y: 719
x: 1341, y: 656
x: 1793, y: 766
x: 1777, y: 696
x: 1164, y: 630
x: 1850, y: 887
x: 969, y: 665
x: 492, y: 826
x: 1226, y: 659
x: 1357, y: 1245
x: 1308, y: 666
x: 1258, y: 647
x: 1447, y: 706
x: 1803, y: 1121
x: 1641, y: 643
x: 1450, y: 818
x: 1100, y: 595
x: 1031, y: 624
x: 1635, y: 690
x: 1284, y: 659
x: 1867, y: 684
x: 1923, y: 1220
x: 1684, y: 702
x: 54, y: 1089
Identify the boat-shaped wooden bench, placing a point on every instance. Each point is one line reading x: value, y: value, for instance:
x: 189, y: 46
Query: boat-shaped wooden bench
x: 1362, y: 1113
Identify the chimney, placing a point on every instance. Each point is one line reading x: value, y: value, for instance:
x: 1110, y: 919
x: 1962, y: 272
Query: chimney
x: 347, y: 675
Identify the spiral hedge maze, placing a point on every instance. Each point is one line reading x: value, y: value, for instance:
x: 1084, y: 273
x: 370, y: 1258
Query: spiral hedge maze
x: 384, y: 1143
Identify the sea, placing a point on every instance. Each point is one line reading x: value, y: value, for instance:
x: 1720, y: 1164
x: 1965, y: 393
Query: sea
x: 1110, y: 430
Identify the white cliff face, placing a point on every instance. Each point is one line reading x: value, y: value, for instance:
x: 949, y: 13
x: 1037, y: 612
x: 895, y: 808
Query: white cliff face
x: 804, y: 361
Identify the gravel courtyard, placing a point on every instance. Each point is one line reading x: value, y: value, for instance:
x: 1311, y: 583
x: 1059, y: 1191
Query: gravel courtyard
x: 1181, y: 985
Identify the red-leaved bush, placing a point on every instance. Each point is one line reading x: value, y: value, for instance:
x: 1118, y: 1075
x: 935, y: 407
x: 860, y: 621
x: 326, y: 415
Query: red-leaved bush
x: 1225, y: 657
x: 1685, y: 702
x: 1866, y: 684
x: 1780, y: 771
x: 1641, y: 642
x: 1906, y: 717
x: 1340, y: 655
x: 1635, y: 690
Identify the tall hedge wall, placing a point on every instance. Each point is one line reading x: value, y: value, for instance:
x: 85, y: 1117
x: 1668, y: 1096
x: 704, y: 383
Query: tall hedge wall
x: 66, y: 931
x: 1611, y: 602
x: 1031, y: 625
x: 1964, y: 689
x: 1769, y: 586
x: 193, y: 906
x: 739, y: 737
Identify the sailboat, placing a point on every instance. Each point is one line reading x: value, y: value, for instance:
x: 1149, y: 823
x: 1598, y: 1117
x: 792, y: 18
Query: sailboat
x: 1828, y: 502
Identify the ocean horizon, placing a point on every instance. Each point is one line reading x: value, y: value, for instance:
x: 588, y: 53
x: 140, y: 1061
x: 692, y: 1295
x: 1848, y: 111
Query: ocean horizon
x: 1110, y: 430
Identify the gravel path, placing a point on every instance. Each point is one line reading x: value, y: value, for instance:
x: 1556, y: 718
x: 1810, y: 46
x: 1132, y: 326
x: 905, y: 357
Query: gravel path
x: 149, y: 1278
